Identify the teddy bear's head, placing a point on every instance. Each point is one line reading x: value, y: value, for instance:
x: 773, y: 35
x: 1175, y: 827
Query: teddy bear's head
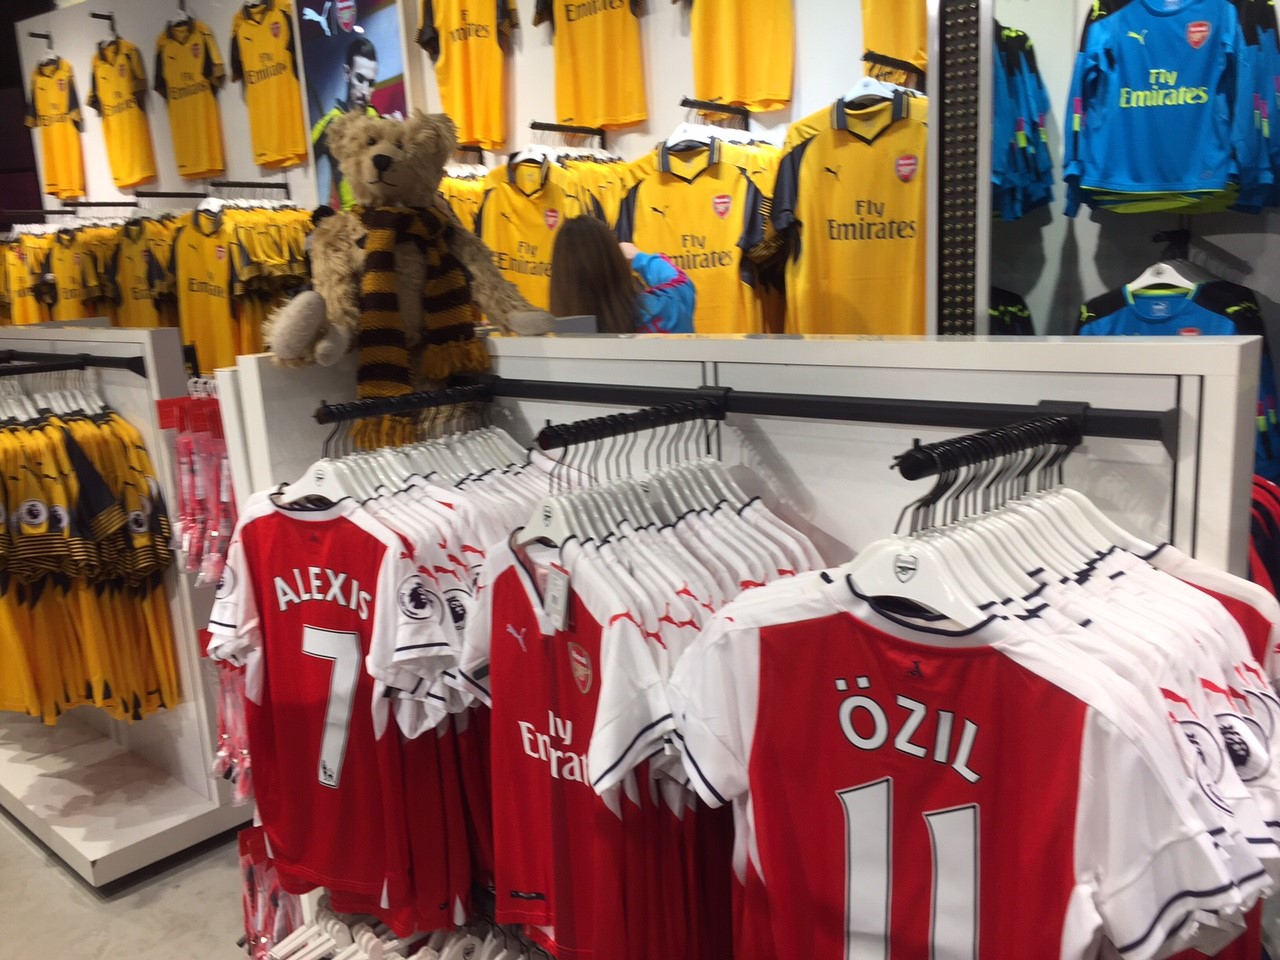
x: 393, y: 162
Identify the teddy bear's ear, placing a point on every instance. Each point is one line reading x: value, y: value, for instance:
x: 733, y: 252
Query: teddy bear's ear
x: 344, y: 136
x: 433, y: 136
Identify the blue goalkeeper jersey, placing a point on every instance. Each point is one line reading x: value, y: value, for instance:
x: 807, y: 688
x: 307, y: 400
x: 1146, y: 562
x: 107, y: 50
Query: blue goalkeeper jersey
x: 1163, y: 101
x: 1162, y: 315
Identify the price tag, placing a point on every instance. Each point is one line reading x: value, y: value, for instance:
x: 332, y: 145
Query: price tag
x: 556, y: 602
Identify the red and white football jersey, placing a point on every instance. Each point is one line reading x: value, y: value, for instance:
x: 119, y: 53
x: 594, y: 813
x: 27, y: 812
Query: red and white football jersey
x: 902, y: 784
x: 573, y: 713
x: 308, y: 599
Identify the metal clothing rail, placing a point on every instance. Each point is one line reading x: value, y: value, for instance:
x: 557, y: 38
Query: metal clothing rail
x: 26, y: 369
x: 561, y: 435
x: 1062, y: 430
x: 726, y: 109
x: 1159, y: 425
x: 109, y: 18
x: 406, y: 403
x: 76, y: 361
x: 599, y: 132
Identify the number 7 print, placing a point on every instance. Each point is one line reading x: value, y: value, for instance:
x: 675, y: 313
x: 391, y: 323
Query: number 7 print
x: 343, y: 649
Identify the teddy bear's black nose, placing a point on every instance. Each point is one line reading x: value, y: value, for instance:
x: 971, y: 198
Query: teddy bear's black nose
x: 382, y: 162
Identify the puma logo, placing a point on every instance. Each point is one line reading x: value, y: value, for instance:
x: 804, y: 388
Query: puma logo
x: 321, y: 18
x: 519, y: 635
x: 660, y: 212
x: 915, y: 671
x: 835, y: 172
x: 1140, y: 37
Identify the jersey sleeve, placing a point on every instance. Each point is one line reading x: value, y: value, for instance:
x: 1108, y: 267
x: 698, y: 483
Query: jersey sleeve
x: 73, y: 103
x: 233, y: 52
x: 428, y: 35
x: 234, y: 621
x: 94, y: 102
x: 410, y: 641
x: 214, y: 69
x: 780, y: 234
x: 473, y: 666
x: 543, y: 12
x: 29, y: 117
x: 508, y: 21
x: 161, y: 87
x: 633, y: 715
x: 625, y: 225
x: 1144, y: 862
x: 714, y: 696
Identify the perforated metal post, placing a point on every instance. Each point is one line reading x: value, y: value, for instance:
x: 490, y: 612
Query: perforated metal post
x: 960, y: 132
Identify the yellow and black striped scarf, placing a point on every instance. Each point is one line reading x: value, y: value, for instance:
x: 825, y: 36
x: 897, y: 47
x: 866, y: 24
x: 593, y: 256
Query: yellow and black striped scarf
x: 448, y: 345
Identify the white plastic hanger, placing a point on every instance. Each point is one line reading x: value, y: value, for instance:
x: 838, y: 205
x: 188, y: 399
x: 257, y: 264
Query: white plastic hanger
x: 691, y: 133
x: 1162, y: 274
x: 870, y: 87
x: 912, y: 569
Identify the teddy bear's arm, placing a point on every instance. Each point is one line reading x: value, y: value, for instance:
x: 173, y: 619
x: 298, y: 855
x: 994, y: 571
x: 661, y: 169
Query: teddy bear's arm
x: 317, y: 326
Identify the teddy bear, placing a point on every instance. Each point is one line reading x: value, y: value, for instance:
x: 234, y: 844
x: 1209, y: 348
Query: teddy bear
x: 399, y: 279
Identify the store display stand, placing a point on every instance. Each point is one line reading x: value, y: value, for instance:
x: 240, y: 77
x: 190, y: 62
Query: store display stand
x: 831, y: 476
x: 109, y: 798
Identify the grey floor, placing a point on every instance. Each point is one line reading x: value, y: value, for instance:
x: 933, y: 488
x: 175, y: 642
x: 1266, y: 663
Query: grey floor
x: 188, y: 908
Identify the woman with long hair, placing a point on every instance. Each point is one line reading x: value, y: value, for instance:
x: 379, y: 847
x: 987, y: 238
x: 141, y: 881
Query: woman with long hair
x: 627, y: 291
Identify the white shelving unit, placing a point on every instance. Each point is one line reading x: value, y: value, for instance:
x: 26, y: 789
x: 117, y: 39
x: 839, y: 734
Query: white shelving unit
x: 109, y: 798
x: 833, y: 477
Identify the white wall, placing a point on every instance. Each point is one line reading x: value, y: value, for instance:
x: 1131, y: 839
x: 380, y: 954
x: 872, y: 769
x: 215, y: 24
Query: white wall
x: 1058, y: 263
x: 828, y: 52
x: 828, y: 33
x: 140, y: 21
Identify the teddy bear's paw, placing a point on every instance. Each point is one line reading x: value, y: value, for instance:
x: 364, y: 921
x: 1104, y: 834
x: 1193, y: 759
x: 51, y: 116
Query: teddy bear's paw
x: 294, y: 328
x: 332, y: 347
x: 530, y: 323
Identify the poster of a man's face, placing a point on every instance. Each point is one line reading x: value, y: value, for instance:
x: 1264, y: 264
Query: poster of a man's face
x: 352, y: 56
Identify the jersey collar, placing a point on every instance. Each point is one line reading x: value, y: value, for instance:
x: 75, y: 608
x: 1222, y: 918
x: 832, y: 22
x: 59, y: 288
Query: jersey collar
x: 257, y: 11
x: 871, y: 122
x: 109, y: 50
x: 200, y: 218
x: 544, y: 173
x: 689, y: 170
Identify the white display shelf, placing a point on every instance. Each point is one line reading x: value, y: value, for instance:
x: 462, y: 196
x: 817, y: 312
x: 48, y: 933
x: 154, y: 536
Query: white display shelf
x: 103, y: 810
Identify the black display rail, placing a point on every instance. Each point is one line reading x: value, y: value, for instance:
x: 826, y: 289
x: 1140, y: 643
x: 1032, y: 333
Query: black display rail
x: 598, y: 132
x: 741, y: 114
x: 110, y: 19
x: 715, y: 403
x: 35, y: 361
x: 1063, y: 431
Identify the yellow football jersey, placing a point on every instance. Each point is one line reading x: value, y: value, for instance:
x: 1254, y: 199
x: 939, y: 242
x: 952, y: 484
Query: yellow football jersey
x: 468, y: 39
x: 20, y: 277
x: 465, y: 196
x: 518, y: 221
x: 117, y: 89
x: 188, y: 71
x: 607, y: 181
x: 850, y: 205
x: 205, y: 257
x: 265, y: 58
x: 895, y: 35
x: 76, y: 275
x: 599, y: 65
x: 134, y: 270
x: 55, y: 109
x: 743, y: 52
x: 697, y: 209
